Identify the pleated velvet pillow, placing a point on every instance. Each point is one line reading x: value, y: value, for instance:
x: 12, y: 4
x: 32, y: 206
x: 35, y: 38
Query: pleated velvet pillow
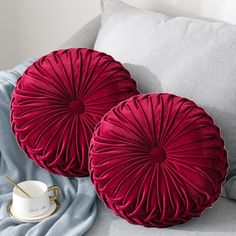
x: 58, y: 101
x: 157, y: 160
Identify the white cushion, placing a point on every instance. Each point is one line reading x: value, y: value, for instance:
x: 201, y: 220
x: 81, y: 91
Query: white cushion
x: 192, y: 58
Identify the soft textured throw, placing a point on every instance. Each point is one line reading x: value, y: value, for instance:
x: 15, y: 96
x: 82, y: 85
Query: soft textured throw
x: 78, y: 208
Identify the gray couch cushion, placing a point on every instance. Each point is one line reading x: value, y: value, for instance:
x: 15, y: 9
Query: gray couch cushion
x: 217, y: 221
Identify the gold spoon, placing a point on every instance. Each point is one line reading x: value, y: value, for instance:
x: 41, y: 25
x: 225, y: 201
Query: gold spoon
x: 17, y: 186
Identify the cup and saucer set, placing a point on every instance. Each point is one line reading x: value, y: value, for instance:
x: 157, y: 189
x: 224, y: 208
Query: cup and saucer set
x: 33, y: 201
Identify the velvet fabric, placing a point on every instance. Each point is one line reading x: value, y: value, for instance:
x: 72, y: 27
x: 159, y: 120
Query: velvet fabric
x: 58, y: 101
x: 157, y: 160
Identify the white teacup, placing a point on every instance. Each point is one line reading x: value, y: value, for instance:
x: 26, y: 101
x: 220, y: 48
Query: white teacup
x: 39, y: 201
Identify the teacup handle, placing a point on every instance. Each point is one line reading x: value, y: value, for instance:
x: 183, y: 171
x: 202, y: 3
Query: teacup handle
x: 55, y: 189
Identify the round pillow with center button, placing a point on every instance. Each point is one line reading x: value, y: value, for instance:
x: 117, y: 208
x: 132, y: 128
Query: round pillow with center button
x: 58, y: 101
x: 157, y: 160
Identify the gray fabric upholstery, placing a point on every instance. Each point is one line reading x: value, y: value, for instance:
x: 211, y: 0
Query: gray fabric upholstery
x: 85, y: 37
x: 217, y: 221
x: 220, y: 220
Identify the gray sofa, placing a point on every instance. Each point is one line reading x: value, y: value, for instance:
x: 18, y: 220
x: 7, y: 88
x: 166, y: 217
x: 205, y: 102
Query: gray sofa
x: 219, y: 220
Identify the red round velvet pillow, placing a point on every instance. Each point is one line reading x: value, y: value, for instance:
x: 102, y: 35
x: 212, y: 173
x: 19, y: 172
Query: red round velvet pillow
x: 157, y: 160
x: 58, y: 101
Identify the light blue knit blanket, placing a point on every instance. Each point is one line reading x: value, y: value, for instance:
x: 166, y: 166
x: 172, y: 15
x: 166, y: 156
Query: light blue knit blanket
x: 78, y: 199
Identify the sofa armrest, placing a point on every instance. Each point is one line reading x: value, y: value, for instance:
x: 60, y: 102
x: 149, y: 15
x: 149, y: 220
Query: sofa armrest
x: 84, y: 37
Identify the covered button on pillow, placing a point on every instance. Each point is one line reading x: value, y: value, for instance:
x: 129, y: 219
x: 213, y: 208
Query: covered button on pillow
x: 58, y: 101
x: 157, y: 160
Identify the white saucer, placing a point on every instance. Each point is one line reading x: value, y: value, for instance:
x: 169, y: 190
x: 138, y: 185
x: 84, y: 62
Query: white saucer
x: 53, y: 208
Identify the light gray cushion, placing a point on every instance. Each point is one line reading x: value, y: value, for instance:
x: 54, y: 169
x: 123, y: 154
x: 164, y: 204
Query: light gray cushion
x: 188, y: 57
x: 217, y: 221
